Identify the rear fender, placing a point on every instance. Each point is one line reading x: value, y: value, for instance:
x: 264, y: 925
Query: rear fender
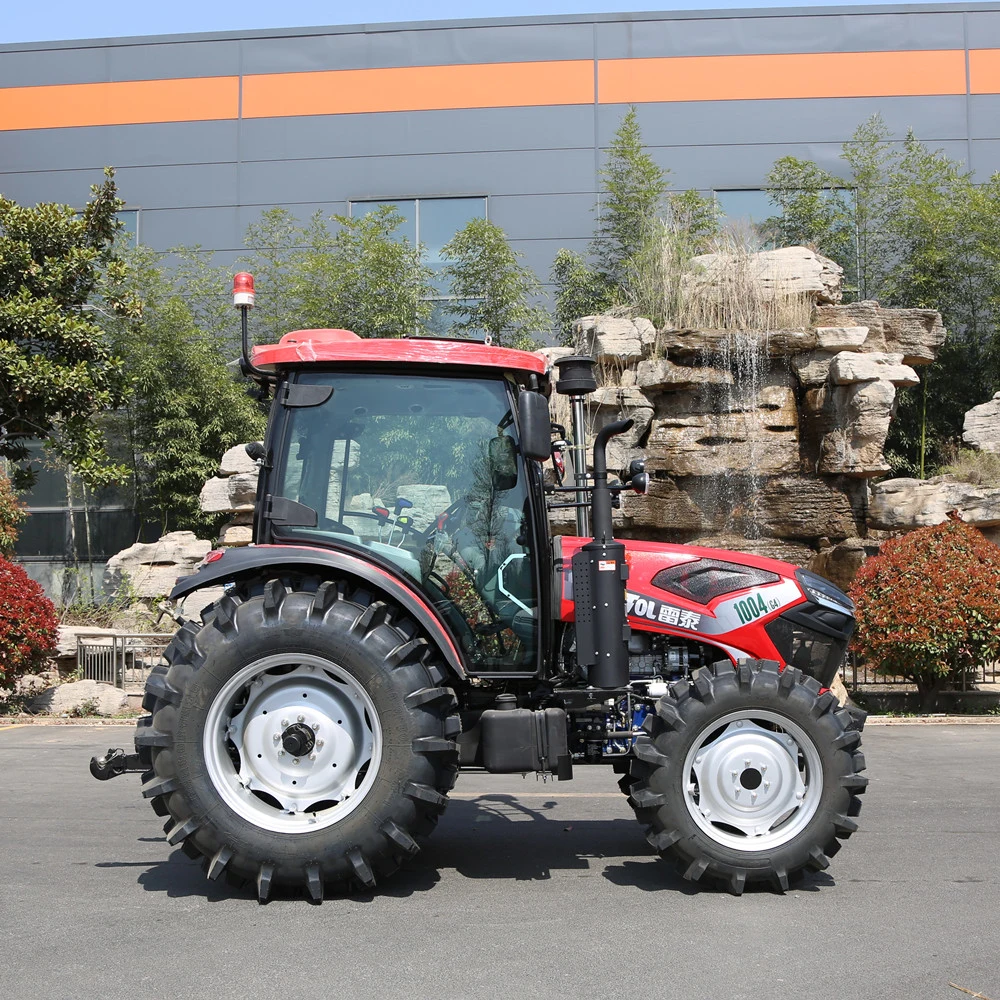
x: 241, y: 563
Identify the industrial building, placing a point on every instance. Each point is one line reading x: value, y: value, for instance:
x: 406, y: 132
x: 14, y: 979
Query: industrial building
x: 450, y: 120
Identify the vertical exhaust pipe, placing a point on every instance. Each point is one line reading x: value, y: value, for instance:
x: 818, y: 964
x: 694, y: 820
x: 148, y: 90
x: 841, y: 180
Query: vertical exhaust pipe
x: 599, y: 567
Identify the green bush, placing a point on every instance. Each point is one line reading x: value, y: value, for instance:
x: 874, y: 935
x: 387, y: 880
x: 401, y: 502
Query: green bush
x: 928, y: 606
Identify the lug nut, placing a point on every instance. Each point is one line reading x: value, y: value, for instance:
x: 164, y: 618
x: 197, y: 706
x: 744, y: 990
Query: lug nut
x: 284, y: 723
x: 319, y: 744
x: 276, y: 737
x: 315, y: 727
x: 301, y: 718
x: 295, y: 761
x: 312, y: 756
x: 281, y: 753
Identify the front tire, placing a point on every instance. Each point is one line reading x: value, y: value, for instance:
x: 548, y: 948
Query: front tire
x: 300, y: 739
x: 748, y: 775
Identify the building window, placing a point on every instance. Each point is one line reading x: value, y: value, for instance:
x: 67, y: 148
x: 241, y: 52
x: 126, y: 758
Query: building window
x: 130, y: 218
x: 433, y: 222
x: 745, y: 208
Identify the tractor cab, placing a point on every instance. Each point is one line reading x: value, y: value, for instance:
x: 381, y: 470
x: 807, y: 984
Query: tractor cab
x: 414, y: 462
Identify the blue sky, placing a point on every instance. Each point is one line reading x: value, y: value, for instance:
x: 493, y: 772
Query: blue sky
x: 71, y: 19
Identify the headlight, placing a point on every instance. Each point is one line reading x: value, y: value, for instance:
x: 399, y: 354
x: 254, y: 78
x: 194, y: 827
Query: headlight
x: 823, y: 592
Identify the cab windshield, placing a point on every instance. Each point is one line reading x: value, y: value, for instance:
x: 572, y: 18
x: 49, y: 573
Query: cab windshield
x: 424, y: 472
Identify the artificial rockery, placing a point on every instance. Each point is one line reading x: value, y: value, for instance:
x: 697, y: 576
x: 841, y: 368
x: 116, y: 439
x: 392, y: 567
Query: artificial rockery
x: 763, y: 440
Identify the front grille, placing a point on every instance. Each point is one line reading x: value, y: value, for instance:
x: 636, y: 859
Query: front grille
x: 814, y: 653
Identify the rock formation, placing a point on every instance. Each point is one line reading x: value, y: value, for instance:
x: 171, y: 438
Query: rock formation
x: 233, y: 491
x: 982, y: 426
x: 150, y: 570
x: 764, y: 441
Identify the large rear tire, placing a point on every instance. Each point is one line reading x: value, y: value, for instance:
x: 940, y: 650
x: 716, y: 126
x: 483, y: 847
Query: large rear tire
x: 748, y: 775
x: 300, y: 738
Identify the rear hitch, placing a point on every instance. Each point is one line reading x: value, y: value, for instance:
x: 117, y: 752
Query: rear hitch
x: 113, y: 763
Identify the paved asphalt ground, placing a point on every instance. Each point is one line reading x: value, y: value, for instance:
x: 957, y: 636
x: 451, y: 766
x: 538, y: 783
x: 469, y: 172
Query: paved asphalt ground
x: 525, y: 890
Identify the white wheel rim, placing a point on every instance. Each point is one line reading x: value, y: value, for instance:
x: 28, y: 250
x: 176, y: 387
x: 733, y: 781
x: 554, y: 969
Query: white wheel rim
x: 278, y: 702
x: 753, y: 780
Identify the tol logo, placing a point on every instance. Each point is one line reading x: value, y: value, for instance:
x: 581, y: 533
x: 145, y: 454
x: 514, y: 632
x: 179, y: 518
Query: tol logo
x: 656, y: 611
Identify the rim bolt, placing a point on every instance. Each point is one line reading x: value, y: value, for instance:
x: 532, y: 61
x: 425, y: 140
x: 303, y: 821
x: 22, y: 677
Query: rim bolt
x: 301, y: 718
x: 734, y: 774
x: 798, y: 795
x: 739, y: 723
x: 698, y: 760
x: 737, y: 793
x: 746, y: 763
x: 763, y: 767
x: 767, y: 785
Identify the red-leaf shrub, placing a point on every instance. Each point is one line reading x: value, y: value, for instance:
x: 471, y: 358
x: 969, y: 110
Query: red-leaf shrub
x: 28, y: 625
x: 928, y: 605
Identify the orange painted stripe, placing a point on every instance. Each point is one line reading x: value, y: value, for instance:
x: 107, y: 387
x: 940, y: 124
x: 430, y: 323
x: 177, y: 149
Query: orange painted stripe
x: 984, y: 71
x: 127, y: 103
x: 501, y: 85
x: 766, y: 77
x: 418, y: 88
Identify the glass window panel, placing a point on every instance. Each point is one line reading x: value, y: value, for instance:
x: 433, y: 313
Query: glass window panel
x: 42, y: 534
x: 130, y: 218
x: 407, y: 209
x: 110, y: 532
x: 424, y: 473
x: 50, y: 485
x: 441, y: 218
x: 749, y: 207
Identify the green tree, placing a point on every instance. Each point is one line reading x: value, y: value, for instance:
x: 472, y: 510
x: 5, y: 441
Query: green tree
x: 812, y: 208
x: 645, y: 235
x: 57, y: 371
x: 492, y: 291
x: 916, y: 231
x: 358, y: 275
x: 579, y: 292
x: 188, y: 402
x: 632, y: 199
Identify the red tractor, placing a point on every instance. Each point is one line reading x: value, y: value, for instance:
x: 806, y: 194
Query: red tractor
x: 405, y: 612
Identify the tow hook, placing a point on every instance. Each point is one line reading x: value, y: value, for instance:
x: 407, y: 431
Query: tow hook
x: 113, y: 763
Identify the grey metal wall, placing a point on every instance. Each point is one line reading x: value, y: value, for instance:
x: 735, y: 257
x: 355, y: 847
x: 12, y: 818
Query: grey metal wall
x: 202, y: 182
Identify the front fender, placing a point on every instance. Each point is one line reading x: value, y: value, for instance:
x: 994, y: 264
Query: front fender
x: 250, y: 561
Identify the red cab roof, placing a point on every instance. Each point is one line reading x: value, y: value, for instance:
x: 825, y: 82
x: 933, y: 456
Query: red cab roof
x: 342, y: 346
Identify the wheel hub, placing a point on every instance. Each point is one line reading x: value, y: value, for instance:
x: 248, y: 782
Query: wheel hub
x: 292, y: 748
x: 752, y: 787
x: 298, y: 739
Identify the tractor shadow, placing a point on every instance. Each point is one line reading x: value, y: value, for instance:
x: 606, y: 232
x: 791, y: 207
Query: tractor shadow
x: 493, y: 837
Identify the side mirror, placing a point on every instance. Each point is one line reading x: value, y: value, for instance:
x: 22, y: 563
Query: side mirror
x: 533, y: 426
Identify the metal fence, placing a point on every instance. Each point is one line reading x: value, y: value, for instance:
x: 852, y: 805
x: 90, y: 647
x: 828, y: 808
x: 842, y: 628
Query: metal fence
x: 858, y: 673
x: 120, y: 658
